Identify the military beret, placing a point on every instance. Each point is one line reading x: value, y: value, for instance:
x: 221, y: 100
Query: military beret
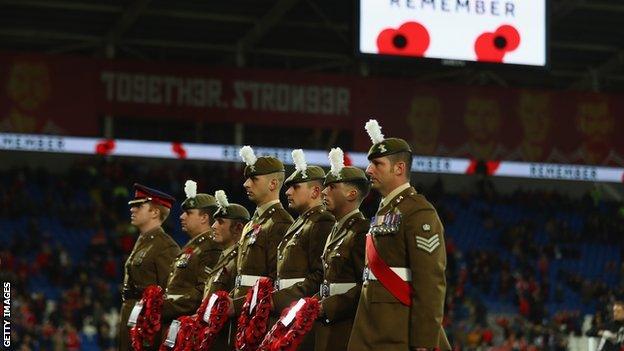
x: 233, y: 211
x: 264, y: 165
x: 259, y: 165
x: 299, y: 176
x: 229, y: 210
x: 339, y: 172
x: 144, y: 194
x: 388, y: 147
x: 346, y: 174
x: 200, y: 201
x: 383, y: 146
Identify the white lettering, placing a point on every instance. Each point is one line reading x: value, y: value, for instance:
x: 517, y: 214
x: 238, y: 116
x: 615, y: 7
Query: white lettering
x: 154, y: 93
x: 239, y: 99
x: 286, y: 98
x: 108, y: 78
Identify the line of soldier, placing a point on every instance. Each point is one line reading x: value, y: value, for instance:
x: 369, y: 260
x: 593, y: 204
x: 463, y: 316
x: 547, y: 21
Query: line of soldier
x: 381, y: 282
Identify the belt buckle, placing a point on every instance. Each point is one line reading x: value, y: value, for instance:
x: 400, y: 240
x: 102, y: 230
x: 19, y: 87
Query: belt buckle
x: 324, y: 290
x: 365, y: 274
x: 239, y: 279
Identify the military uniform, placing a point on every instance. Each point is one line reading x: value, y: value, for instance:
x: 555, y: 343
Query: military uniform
x: 149, y: 263
x: 343, y: 263
x: 222, y: 275
x: 299, y: 266
x: 257, y: 253
x: 409, y: 237
x: 185, y: 285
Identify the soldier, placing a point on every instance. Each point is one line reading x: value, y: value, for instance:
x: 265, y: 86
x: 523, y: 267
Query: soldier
x: 150, y: 260
x: 257, y: 252
x: 230, y: 220
x: 343, y: 256
x: 299, y: 266
x: 185, y: 286
x: 402, y: 300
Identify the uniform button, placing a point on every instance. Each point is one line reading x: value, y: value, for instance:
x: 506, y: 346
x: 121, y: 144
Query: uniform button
x: 326, y: 265
x: 325, y: 281
x: 281, y: 257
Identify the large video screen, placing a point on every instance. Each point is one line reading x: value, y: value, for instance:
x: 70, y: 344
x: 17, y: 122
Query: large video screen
x: 499, y: 31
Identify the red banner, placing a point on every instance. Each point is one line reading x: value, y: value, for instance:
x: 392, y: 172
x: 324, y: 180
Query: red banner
x: 496, y: 123
x: 67, y: 95
x: 221, y: 94
x: 47, y: 94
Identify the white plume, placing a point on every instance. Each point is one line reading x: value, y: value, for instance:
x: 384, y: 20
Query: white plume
x: 248, y: 155
x: 222, y: 200
x: 374, y: 131
x: 336, y: 159
x: 190, y: 189
x: 300, y: 162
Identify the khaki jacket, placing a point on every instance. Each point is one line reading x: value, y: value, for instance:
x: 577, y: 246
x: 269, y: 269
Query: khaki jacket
x: 185, y: 286
x: 299, y: 256
x: 149, y: 263
x: 257, y: 253
x: 384, y: 323
x: 343, y: 262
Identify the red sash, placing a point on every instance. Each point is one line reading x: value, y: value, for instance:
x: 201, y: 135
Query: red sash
x: 399, y: 288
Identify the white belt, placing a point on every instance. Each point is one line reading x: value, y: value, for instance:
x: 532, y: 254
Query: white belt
x: 247, y: 280
x: 402, y: 272
x: 287, y: 283
x: 335, y: 288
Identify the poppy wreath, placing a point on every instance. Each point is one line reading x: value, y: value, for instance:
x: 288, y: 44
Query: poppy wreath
x: 289, y: 337
x: 218, y: 317
x: 186, y: 340
x: 252, y: 326
x: 188, y: 331
x: 493, y: 46
x: 148, y: 323
x: 410, y: 39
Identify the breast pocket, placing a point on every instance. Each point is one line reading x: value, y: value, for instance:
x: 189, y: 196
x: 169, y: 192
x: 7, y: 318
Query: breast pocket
x: 339, y: 270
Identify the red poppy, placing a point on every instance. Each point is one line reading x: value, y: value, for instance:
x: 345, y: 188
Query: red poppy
x: 105, y: 147
x: 148, y: 323
x: 410, y: 39
x: 492, y: 47
x: 179, y: 150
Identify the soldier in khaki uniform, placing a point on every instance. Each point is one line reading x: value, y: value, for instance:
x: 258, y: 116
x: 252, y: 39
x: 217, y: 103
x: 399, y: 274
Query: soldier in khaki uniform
x: 343, y: 256
x: 150, y: 260
x: 257, y: 252
x: 230, y: 220
x: 299, y: 266
x: 185, y: 286
x: 402, y: 300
